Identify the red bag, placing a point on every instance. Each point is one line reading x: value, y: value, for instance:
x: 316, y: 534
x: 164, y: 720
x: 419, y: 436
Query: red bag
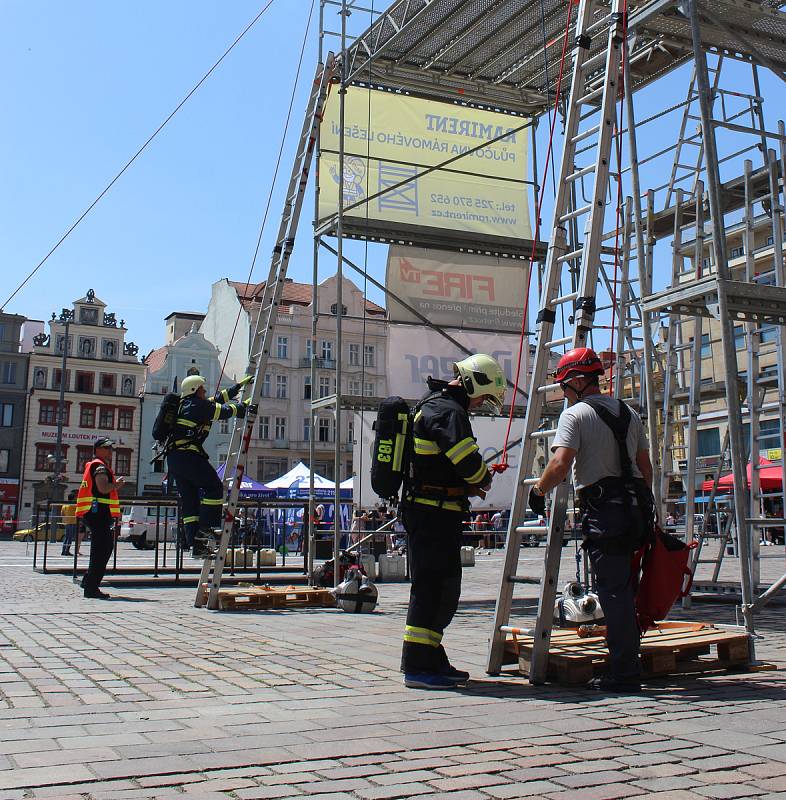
x: 665, y: 576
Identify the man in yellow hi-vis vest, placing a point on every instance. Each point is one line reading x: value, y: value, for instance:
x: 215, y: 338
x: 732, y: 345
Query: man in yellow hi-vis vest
x: 98, y: 505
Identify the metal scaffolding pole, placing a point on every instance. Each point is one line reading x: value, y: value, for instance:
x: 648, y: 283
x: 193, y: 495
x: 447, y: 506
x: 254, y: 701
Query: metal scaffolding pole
x: 727, y: 325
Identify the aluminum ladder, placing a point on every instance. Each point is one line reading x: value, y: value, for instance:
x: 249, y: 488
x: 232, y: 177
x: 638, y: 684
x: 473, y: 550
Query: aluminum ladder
x: 213, y: 567
x: 590, y: 119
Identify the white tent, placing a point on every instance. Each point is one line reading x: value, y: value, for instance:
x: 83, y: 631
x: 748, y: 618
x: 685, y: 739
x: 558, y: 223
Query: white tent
x: 349, y: 483
x: 297, y: 477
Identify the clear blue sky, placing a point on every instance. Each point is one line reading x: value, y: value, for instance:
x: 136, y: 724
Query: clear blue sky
x: 85, y: 83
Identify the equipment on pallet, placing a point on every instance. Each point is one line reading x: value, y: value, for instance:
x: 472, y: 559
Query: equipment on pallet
x: 577, y: 606
x: 324, y: 574
x: 356, y: 593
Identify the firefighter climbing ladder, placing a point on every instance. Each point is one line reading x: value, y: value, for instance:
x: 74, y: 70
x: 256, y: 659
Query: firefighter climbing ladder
x: 213, y: 568
x: 590, y: 118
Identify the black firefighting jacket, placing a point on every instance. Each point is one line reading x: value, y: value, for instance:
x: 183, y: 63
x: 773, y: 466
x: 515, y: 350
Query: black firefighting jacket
x: 446, y: 463
x: 195, y: 417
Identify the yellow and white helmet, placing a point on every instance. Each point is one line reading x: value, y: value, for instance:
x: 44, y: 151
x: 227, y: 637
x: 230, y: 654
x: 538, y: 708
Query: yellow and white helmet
x: 191, y: 384
x: 482, y: 376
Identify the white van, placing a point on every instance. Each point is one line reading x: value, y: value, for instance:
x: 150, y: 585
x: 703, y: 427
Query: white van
x: 138, y: 525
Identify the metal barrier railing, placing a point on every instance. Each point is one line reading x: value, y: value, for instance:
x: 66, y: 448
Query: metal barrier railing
x: 162, y: 536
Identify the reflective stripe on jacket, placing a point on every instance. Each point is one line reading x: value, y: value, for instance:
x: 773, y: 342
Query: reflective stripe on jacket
x: 195, y: 418
x: 88, y: 492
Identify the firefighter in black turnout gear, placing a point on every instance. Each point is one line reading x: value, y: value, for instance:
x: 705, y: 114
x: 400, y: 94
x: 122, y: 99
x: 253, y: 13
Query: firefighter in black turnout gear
x: 446, y: 469
x: 201, y: 490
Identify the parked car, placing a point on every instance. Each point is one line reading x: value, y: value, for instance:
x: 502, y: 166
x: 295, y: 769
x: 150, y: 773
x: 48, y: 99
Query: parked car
x: 40, y: 533
x: 138, y: 525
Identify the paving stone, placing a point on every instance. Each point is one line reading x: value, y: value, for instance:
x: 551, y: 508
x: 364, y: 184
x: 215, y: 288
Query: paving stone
x: 728, y: 791
x: 395, y: 790
x: 467, y: 782
x: 528, y: 789
x: 268, y: 792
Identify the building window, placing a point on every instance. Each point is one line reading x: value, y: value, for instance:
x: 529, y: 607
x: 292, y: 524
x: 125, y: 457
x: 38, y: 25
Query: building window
x: 39, y: 377
x: 109, y: 349
x: 736, y: 252
x: 739, y: 337
x: 84, y: 382
x: 125, y: 419
x: 354, y: 355
x: 268, y: 469
x: 282, y: 347
x: 87, y: 416
x: 266, y: 386
x: 354, y: 387
x: 307, y: 387
x: 323, y: 430
x: 370, y: 388
x: 57, y: 375
x: 87, y: 347
x: 106, y: 417
x: 281, y: 427
x: 334, y: 309
x: 7, y: 371
x: 158, y: 466
x: 128, y: 385
x: 708, y: 442
x: 327, y: 350
x: 5, y: 457
x: 706, y: 346
x: 306, y: 429
x: 282, y: 382
x: 309, y: 349
x: 122, y: 462
x: 108, y: 383
x: 43, y: 463
x: 769, y: 434
x: 264, y: 427
x: 369, y: 355
x: 768, y: 333
x: 47, y: 412
x: 770, y: 240
x: 6, y: 415
x: 223, y: 426
x: 83, y: 455
x: 324, y: 387
x: 350, y: 432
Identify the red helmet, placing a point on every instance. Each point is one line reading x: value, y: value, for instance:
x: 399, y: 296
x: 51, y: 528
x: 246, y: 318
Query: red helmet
x: 581, y: 361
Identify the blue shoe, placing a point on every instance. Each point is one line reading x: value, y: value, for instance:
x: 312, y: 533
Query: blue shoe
x: 455, y: 675
x: 427, y: 680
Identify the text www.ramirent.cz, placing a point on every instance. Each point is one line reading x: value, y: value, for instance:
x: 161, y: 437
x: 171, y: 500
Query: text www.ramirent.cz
x: 493, y: 219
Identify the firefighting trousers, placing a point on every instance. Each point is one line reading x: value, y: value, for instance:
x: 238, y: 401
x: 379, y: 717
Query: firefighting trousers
x: 611, y: 534
x: 200, y: 489
x: 102, y: 542
x: 434, y: 552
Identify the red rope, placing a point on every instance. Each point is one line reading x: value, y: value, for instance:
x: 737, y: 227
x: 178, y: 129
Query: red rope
x: 502, y: 465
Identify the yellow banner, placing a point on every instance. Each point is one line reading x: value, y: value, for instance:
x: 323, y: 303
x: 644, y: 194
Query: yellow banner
x: 389, y: 139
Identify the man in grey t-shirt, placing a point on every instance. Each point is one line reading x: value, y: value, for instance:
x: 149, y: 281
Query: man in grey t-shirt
x: 612, y: 523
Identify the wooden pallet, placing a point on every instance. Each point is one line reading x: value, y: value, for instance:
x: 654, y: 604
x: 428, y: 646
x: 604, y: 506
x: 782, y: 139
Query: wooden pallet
x: 668, y: 649
x: 267, y: 597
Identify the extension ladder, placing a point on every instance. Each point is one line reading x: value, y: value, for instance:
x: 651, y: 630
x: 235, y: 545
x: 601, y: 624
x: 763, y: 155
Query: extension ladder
x: 213, y: 567
x: 590, y: 120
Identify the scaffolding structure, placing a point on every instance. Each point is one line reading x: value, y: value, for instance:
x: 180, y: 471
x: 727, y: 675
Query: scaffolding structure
x: 503, y: 55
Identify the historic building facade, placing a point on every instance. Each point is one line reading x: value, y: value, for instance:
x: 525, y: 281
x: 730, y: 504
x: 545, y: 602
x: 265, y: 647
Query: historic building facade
x: 282, y: 430
x: 101, y: 393
x: 13, y: 396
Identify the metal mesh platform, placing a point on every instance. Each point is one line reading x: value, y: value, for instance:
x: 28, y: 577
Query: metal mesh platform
x: 491, y: 52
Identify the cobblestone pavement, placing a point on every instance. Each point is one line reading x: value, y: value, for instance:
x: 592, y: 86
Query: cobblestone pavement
x: 146, y: 697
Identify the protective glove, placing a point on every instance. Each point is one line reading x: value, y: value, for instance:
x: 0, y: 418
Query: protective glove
x: 537, y: 502
x: 251, y: 408
x: 245, y: 380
